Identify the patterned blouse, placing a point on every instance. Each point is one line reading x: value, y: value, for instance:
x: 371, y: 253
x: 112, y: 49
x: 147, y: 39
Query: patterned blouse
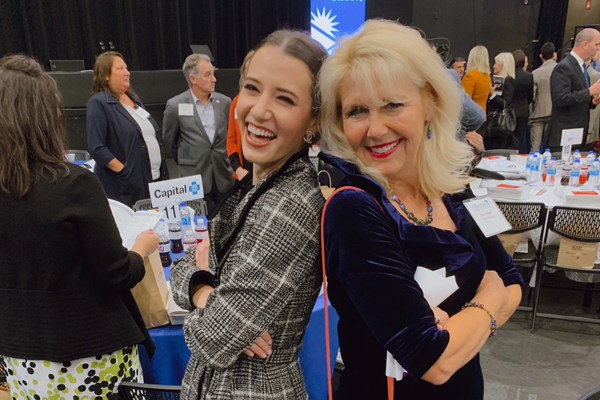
x: 265, y: 256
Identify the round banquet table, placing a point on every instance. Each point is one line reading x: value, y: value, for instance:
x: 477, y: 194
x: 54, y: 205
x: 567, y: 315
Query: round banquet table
x: 172, y: 355
x: 551, y: 196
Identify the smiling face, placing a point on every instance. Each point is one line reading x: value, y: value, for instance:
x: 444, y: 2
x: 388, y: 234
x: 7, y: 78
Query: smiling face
x: 274, y: 109
x: 119, y: 76
x: 386, y: 136
x: 498, y: 67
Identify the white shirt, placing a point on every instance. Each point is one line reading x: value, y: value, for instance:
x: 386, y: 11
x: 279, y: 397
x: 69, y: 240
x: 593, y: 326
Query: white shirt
x: 149, y: 135
x: 207, y: 115
x: 579, y: 61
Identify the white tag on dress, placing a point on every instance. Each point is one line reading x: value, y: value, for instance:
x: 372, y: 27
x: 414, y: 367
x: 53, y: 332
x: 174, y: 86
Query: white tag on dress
x: 487, y: 216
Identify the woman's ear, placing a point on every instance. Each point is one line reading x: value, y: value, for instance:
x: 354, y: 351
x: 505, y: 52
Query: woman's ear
x: 430, y: 100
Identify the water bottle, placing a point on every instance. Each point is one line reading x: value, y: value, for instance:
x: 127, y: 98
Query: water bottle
x: 534, y: 175
x: 590, y: 159
x: 176, y: 237
x: 577, y: 156
x: 547, y: 156
x: 528, y: 164
x: 551, y: 172
x: 575, y: 169
x: 188, y: 239
x: 201, y: 230
x: 164, y: 249
x: 595, y: 173
x: 186, y: 221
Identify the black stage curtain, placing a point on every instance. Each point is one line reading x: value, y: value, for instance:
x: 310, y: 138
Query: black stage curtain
x: 151, y: 34
x: 551, y: 26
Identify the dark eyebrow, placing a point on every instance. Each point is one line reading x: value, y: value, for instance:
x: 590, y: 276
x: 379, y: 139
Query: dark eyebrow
x: 249, y: 78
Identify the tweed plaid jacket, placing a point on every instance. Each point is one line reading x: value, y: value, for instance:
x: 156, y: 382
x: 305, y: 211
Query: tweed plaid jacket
x: 269, y: 280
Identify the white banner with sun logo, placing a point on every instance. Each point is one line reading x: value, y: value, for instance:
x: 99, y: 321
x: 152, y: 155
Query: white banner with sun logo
x: 331, y: 19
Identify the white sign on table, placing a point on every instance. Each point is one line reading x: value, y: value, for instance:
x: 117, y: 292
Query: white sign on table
x: 569, y: 138
x: 487, y: 216
x: 166, y: 195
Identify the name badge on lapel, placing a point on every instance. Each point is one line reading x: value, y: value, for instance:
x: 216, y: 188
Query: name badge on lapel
x: 142, y: 113
x: 186, y: 110
x: 487, y: 216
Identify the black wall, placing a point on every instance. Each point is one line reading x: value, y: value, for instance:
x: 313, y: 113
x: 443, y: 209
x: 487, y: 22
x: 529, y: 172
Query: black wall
x: 578, y: 16
x: 500, y: 25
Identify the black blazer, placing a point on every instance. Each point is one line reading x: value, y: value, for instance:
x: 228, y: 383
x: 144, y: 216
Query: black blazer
x: 113, y: 133
x: 571, y: 100
x: 499, y: 103
x: 64, y: 274
x: 523, y: 94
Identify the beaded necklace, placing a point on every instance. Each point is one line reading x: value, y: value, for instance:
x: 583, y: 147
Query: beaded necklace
x: 411, y: 216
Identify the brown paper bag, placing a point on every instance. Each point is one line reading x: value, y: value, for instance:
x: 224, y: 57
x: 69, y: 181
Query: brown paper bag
x: 510, y: 242
x: 577, y: 254
x: 151, y: 293
x: 326, y: 190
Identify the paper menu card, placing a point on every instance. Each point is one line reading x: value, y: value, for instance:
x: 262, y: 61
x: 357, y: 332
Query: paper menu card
x: 436, y: 288
x: 130, y: 224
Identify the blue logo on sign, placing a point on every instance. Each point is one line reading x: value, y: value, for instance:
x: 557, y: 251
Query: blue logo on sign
x: 194, y: 188
x: 331, y: 19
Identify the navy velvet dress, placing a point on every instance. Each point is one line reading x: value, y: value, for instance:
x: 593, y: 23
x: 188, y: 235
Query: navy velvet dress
x: 371, y: 256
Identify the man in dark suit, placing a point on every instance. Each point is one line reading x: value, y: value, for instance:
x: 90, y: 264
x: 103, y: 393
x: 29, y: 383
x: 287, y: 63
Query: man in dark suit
x: 195, y: 129
x: 521, y: 99
x: 572, y: 95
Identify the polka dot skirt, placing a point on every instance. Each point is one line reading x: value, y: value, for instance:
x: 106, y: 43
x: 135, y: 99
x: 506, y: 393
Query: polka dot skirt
x: 83, y: 379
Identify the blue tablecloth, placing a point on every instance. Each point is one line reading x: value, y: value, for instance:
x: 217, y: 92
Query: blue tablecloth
x: 172, y: 355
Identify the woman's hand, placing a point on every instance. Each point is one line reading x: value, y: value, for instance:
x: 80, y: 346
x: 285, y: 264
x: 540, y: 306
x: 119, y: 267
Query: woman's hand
x: 493, y: 285
x: 441, y: 317
x: 202, y: 250
x: 475, y: 140
x: 145, y: 243
x: 493, y: 88
x: 262, y: 346
x: 241, y: 173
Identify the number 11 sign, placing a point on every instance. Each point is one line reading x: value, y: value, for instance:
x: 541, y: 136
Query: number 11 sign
x: 166, y: 195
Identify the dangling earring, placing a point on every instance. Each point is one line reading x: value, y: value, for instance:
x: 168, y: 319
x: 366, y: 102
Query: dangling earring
x: 309, y: 137
x: 429, y: 131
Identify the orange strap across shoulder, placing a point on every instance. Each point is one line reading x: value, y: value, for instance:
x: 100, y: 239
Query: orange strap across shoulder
x: 390, y: 380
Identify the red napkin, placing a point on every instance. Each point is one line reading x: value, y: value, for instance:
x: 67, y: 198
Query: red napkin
x: 589, y: 193
x: 508, y: 186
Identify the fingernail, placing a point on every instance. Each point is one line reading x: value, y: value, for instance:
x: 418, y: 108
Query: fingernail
x: 270, y: 342
x: 269, y: 352
x: 150, y: 230
x: 251, y: 354
x: 263, y: 355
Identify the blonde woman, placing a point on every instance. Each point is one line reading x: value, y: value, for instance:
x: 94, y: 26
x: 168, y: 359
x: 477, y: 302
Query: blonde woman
x: 504, y: 65
x: 477, y: 81
x: 389, y: 120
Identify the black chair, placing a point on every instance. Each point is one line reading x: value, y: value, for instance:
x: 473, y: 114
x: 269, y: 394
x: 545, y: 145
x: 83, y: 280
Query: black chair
x: 199, y: 206
x: 592, y: 395
x: 524, y: 217
x: 80, y: 155
x: 579, y: 224
x: 145, y: 391
x: 499, y: 152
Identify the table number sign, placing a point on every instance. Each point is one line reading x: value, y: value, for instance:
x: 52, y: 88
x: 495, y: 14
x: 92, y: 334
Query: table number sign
x: 166, y: 195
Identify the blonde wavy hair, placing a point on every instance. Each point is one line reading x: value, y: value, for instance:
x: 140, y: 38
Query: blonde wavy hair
x: 479, y: 60
x: 382, y: 53
x: 508, y: 64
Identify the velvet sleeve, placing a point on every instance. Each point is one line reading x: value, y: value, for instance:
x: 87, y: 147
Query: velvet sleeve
x: 364, y: 254
x: 498, y: 259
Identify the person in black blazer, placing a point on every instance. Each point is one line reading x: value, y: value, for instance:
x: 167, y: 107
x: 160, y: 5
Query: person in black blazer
x: 572, y: 95
x: 65, y: 298
x: 521, y: 99
x: 122, y: 136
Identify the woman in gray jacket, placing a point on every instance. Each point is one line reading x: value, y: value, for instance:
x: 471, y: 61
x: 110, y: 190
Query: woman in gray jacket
x: 258, y: 277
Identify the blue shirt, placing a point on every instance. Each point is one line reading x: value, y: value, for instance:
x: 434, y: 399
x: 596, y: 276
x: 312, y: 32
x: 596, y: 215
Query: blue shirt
x: 207, y: 115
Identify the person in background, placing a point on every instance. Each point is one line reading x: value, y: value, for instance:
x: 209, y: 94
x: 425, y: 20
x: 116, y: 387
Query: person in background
x: 239, y: 164
x: 504, y: 65
x: 542, y: 101
x: 260, y: 274
x: 521, y: 99
x: 476, y: 81
x: 592, y: 139
x: 389, y: 121
x: 572, y: 93
x: 195, y: 129
x: 70, y: 326
x: 458, y: 64
x: 122, y: 136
